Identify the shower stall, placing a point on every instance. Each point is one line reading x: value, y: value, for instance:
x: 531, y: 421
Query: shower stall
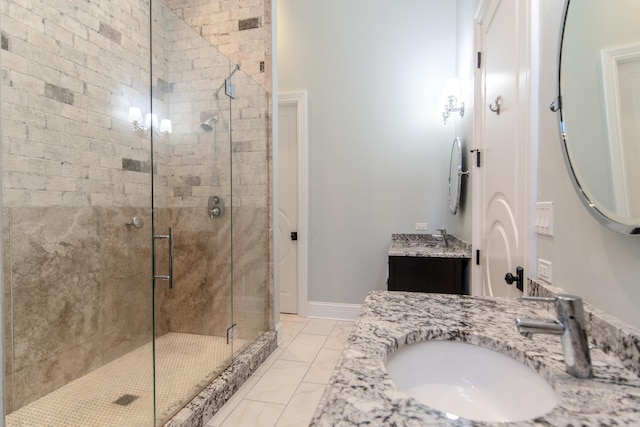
x: 135, y: 241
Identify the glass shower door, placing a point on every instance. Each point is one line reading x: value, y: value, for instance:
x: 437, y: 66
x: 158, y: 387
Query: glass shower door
x: 250, y: 186
x: 76, y: 213
x: 192, y: 198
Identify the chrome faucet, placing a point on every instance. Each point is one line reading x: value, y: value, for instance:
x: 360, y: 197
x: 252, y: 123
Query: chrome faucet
x: 445, y: 236
x: 571, y: 325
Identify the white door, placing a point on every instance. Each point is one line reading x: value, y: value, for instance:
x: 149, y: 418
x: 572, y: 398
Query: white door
x: 288, y: 206
x: 502, y: 110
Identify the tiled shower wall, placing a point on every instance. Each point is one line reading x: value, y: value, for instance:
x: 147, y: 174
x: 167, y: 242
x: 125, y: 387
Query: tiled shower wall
x: 77, y: 278
x: 240, y: 29
x: 204, y: 165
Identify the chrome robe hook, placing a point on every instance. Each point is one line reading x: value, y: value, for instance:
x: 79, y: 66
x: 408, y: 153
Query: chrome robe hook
x: 498, y: 105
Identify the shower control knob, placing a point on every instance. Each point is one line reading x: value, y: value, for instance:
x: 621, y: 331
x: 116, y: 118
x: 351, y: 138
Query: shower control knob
x: 136, y: 222
x: 215, y: 207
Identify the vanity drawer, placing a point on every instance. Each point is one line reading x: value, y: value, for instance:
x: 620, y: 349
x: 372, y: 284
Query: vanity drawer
x: 426, y: 274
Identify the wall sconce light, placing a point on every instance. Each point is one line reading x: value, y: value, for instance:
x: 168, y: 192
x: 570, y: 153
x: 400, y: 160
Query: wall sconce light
x: 165, y: 127
x: 449, y: 99
x: 135, y: 117
x: 150, y: 122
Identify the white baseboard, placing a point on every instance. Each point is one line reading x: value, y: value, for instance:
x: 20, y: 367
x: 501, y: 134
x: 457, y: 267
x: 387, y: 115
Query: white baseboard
x: 333, y: 310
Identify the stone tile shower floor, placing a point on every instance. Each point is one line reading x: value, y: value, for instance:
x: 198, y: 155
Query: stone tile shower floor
x: 185, y: 363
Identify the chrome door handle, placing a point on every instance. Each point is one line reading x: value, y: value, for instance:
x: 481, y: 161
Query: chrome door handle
x: 169, y: 237
x: 496, y: 108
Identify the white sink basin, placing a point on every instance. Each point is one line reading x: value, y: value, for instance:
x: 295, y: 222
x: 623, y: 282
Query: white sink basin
x: 468, y: 381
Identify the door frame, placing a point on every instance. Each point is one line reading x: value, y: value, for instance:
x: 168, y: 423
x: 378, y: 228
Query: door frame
x: 527, y: 133
x: 299, y: 99
x: 611, y: 60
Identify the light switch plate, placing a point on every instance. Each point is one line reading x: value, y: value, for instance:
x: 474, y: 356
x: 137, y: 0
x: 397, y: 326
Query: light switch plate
x: 544, y: 218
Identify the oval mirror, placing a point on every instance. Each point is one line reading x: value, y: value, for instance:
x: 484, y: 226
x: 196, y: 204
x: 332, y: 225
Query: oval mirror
x: 455, y: 175
x: 599, y: 107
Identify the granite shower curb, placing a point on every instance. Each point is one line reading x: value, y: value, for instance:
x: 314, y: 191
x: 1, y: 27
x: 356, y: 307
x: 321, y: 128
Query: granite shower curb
x: 203, y: 407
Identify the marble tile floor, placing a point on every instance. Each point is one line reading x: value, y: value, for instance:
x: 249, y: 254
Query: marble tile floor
x: 287, y: 387
x: 185, y: 363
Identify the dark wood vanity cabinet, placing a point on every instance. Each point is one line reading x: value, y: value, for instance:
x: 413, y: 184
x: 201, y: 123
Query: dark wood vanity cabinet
x: 429, y: 274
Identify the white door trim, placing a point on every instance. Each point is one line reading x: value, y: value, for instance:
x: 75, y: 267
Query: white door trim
x: 476, y: 187
x: 611, y: 60
x: 300, y: 101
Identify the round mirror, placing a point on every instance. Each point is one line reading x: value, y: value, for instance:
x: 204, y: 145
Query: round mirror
x: 455, y: 175
x: 599, y: 107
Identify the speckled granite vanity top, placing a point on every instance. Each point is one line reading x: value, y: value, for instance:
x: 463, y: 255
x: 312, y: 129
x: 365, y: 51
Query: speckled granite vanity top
x: 362, y: 393
x: 428, y: 245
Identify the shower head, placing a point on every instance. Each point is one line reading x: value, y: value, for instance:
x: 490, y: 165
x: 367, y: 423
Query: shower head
x: 208, y: 124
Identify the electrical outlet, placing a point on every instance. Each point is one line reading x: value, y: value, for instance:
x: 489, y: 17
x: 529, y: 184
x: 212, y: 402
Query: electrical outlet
x: 544, y: 270
x: 421, y: 226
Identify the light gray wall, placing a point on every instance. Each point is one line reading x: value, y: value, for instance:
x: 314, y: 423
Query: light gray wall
x: 588, y: 259
x: 379, y: 153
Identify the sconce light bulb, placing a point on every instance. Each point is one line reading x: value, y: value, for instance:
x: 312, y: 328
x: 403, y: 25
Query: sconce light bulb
x: 151, y: 121
x: 165, y: 126
x: 135, y: 115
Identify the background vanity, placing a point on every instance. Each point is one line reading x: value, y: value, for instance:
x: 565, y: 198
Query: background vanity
x: 433, y: 263
x: 428, y: 263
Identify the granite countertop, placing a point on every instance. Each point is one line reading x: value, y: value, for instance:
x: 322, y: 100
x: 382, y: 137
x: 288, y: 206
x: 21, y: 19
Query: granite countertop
x: 361, y: 392
x: 428, y: 245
